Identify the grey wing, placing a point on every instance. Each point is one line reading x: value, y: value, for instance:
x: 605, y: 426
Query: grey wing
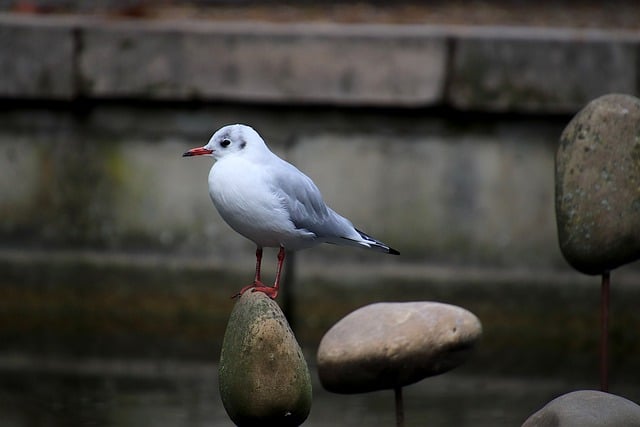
x: 307, y: 211
x: 306, y: 207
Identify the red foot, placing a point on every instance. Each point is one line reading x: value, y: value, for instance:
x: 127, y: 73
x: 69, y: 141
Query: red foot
x: 272, y: 292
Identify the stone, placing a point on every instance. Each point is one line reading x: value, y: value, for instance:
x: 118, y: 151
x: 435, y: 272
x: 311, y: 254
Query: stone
x: 530, y: 70
x: 586, y: 408
x: 262, y: 62
x: 264, y: 379
x: 598, y: 185
x: 36, y: 58
x: 389, y: 345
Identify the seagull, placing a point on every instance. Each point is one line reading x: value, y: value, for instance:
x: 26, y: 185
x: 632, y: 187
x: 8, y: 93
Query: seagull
x: 270, y: 202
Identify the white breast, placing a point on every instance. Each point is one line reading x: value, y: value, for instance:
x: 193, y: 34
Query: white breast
x: 241, y: 193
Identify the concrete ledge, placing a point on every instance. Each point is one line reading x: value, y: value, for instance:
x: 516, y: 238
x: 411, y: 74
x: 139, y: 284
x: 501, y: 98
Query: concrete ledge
x: 548, y: 75
x: 493, y: 68
x: 262, y: 63
x: 36, y: 59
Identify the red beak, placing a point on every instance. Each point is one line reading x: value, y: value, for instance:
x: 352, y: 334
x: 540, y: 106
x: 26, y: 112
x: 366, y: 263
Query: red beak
x: 200, y: 151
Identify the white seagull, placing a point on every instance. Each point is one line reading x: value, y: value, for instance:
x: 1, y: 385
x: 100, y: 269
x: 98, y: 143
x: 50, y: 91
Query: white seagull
x: 270, y: 202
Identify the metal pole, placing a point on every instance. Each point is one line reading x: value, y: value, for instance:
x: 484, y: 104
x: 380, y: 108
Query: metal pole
x: 287, y: 301
x: 604, y: 331
x: 399, y: 407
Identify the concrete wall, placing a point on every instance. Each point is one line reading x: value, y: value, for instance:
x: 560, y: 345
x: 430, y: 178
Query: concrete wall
x: 485, y: 68
x: 438, y: 140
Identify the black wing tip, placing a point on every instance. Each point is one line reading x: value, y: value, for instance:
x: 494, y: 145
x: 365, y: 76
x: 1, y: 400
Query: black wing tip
x: 378, y: 244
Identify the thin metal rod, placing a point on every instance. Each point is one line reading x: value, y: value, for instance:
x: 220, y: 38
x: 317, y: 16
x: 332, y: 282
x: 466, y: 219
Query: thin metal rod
x: 399, y: 407
x: 604, y: 331
x: 287, y: 302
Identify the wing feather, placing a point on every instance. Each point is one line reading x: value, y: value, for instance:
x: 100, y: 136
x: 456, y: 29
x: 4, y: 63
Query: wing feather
x: 306, y: 207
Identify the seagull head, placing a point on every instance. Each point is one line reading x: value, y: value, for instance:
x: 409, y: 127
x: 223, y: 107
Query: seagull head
x: 229, y: 140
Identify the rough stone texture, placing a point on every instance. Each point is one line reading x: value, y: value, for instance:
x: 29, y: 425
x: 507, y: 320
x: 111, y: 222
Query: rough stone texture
x: 262, y: 62
x: 36, y: 60
x: 534, y: 74
x: 597, y: 185
x: 264, y: 379
x: 586, y: 408
x: 389, y: 345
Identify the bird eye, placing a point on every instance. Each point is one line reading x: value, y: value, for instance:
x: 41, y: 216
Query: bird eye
x: 225, y: 143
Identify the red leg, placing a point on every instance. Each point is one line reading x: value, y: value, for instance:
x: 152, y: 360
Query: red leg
x: 257, y: 285
x: 256, y: 281
x: 281, y: 255
x: 272, y: 292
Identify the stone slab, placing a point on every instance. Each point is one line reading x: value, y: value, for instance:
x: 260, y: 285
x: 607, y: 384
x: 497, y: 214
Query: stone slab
x: 36, y: 59
x: 402, y: 184
x: 536, y: 74
x: 479, y: 68
x: 261, y: 62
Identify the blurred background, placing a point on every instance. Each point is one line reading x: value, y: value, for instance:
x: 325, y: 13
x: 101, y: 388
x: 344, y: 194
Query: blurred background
x: 431, y: 125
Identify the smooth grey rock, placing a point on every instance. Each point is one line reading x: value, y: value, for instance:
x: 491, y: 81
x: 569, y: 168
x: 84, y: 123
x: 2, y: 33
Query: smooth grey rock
x: 389, y: 345
x: 597, y: 181
x: 264, y: 379
x: 586, y: 408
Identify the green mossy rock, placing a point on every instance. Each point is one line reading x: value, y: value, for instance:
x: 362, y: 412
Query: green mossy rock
x: 264, y: 379
x: 598, y: 185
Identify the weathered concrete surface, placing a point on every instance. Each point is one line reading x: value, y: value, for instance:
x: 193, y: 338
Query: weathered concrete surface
x: 586, y: 408
x: 37, y: 59
x: 264, y: 379
x: 261, y: 62
x: 442, y: 190
x: 597, y: 185
x: 541, y: 73
x: 480, y: 68
x: 438, y: 192
x: 390, y: 345
x: 444, y: 187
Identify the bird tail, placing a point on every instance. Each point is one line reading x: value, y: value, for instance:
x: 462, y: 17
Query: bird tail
x: 377, y: 244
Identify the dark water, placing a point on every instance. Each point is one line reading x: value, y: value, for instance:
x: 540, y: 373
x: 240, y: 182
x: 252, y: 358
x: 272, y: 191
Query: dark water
x: 122, y: 394
x: 118, y: 347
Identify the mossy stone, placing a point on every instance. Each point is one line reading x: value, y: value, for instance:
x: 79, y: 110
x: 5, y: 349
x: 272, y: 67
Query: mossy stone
x: 264, y: 379
x: 598, y: 185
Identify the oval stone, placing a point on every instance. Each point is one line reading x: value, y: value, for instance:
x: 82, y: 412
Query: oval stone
x: 390, y: 345
x: 586, y: 408
x: 598, y: 185
x: 264, y: 379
